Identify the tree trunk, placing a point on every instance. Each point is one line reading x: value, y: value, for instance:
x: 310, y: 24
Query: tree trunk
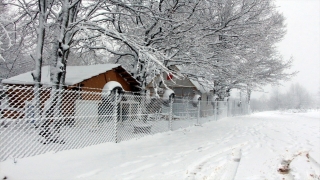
x: 62, y: 43
x: 36, y: 74
x: 60, y: 54
x: 248, y: 98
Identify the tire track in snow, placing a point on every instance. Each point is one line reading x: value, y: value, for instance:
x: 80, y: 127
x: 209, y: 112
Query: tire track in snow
x: 222, y: 164
x: 88, y: 174
x: 130, y: 163
x: 229, y: 170
x: 142, y: 168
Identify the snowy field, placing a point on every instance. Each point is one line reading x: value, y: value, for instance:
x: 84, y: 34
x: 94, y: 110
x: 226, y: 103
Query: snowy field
x: 258, y: 146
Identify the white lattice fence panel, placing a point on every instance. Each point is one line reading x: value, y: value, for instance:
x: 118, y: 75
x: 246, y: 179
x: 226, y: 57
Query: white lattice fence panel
x: 222, y: 109
x: 35, y: 121
x: 140, y: 116
x: 206, y: 110
x: 184, y: 113
x: 38, y: 120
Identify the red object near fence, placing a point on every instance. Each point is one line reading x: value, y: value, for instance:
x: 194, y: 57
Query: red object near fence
x: 169, y: 76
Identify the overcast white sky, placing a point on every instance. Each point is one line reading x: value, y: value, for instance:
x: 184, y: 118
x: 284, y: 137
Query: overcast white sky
x: 302, y: 42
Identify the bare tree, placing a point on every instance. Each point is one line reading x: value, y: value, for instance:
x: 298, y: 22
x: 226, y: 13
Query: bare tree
x: 241, y: 39
x: 142, y: 35
x: 226, y: 41
x: 13, y: 45
x: 5, y: 38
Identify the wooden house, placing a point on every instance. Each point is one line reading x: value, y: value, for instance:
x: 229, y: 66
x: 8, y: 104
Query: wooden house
x: 89, y: 80
x: 90, y: 76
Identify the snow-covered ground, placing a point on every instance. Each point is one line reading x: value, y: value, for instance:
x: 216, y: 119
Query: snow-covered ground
x: 246, y: 147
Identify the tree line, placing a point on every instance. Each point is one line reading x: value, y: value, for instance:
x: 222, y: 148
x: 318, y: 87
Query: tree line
x: 296, y: 97
x: 228, y: 42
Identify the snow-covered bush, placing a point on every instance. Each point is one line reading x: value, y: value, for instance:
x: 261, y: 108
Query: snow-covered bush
x: 168, y: 96
x: 196, y: 100
x: 111, y: 86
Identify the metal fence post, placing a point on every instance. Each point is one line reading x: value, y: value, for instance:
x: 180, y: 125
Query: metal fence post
x: 170, y: 115
x: 215, y: 110
x: 228, y: 108
x: 187, y: 109
x: 198, y: 114
x: 115, y: 116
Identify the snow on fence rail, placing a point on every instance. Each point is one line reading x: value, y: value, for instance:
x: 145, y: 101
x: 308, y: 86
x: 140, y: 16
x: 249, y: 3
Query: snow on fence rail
x: 38, y: 120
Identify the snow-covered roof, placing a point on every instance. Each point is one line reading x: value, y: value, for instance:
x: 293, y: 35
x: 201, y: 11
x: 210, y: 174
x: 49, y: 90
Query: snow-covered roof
x: 74, y: 75
x: 202, y: 86
x: 107, y: 88
x: 200, y: 83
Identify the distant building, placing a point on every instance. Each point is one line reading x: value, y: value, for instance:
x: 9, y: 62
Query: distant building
x: 185, y: 88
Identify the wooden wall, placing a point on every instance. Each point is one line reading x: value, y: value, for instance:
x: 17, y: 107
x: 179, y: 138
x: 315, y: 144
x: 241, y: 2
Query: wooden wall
x: 100, y: 80
x: 90, y: 90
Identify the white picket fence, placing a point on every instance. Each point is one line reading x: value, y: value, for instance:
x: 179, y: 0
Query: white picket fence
x: 38, y: 120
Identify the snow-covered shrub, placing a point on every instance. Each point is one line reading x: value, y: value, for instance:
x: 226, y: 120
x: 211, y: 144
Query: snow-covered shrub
x: 196, y: 100
x: 168, y: 96
x: 111, y: 86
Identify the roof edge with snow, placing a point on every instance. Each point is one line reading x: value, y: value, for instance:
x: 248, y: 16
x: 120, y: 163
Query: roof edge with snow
x: 74, y: 75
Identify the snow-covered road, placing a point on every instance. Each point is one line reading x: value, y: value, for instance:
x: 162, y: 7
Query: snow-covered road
x: 247, y: 147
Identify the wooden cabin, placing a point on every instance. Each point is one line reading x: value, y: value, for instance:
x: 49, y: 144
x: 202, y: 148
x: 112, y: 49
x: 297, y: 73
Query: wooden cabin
x: 89, y: 80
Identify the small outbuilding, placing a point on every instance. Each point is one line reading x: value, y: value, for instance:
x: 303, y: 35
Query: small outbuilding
x: 184, y: 88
